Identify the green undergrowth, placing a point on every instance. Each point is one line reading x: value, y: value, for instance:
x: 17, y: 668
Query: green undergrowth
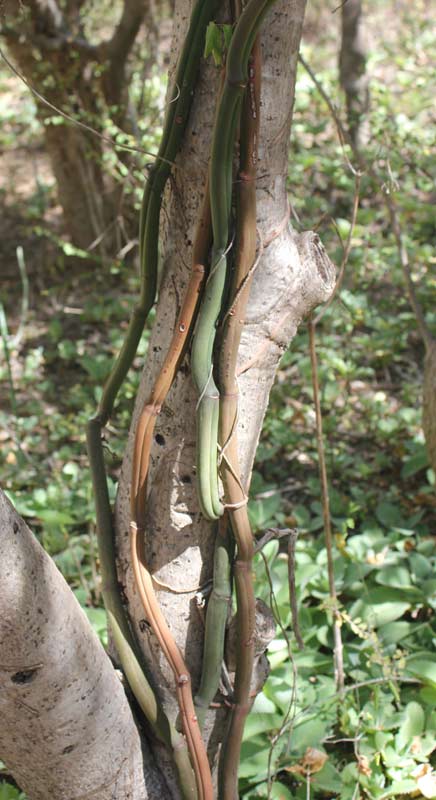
x: 303, y: 740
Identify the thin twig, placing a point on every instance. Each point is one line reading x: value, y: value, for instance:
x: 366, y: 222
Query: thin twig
x: 292, y: 541
x: 338, y: 650
x: 273, y: 533
x: 287, y: 719
x: 346, y: 249
x: 342, y: 133
x: 24, y: 297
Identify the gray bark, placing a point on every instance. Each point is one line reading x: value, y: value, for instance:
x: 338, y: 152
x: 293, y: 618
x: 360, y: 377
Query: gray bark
x: 67, y: 731
x: 293, y: 276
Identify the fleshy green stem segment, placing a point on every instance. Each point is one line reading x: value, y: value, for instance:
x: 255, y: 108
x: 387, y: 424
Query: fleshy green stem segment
x: 216, y: 618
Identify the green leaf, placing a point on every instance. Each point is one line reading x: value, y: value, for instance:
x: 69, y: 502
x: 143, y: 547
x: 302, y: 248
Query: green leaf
x: 309, y: 733
x: 53, y: 518
x: 424, y: 670
x: 415, y: 464
x: 227, y: 33
x: 328, y: 779
x: 278, y: 792
x: 394, y: 632
x: 394, y: 575
x: 397, y: 788
x: 260, y: 722
x: 412, y: 725
x: 262, y: 705
x: 214, y: 43
x: 262, y: 512
x: 98, y: 367
x: 420, y: 565
x: 98, y: 620
x: 429, y: 591
x: 254, y: 759
x: 428, y: 695
x: 311, y: 660
x: 388, y: 514
x: 8, y: 792
x: 380, y: 606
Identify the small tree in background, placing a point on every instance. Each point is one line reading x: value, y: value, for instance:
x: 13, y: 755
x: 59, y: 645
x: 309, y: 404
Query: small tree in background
x: 49, y: 44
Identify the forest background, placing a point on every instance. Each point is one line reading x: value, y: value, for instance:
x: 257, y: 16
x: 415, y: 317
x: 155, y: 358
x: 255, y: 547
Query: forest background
x: 63, y: 314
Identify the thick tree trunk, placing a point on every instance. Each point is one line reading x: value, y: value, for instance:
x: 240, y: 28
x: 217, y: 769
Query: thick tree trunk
x: 352, y: 71
x: 292, y: 277
x: 67, y: 730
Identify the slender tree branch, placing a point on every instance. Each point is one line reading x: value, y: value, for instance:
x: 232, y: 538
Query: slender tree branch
x: 117, y: 49
x: 46, y: 15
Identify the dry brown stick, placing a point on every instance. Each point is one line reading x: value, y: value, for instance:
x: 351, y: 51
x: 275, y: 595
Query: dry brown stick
x: 313, y: 321
x: 141, y: 458
x: 338, y: 650
x: 234, y: 491
x: 164, y: 380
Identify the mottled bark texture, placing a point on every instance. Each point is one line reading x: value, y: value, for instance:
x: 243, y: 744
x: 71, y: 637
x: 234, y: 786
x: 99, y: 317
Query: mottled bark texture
x: 292, y: 277
x: 352, y: 71
x: 47, y: 43
x: 67, y: 731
